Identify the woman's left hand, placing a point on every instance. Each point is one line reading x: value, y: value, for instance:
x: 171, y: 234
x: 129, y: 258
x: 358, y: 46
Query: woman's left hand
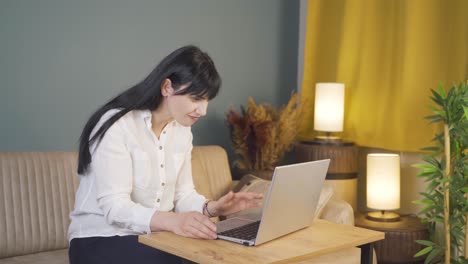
x: 234, y: 202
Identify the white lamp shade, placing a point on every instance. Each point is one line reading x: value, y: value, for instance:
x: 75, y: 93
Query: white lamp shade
x: 329, y: 107
x: 383, y: 181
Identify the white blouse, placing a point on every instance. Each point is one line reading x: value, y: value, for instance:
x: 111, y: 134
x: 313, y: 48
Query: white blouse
x: 133, y: 174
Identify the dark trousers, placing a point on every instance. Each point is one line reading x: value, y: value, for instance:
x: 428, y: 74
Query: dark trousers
x: 115, y: 250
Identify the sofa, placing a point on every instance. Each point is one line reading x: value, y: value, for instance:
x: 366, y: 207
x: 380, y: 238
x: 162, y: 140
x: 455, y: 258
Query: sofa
x: 38, y: 190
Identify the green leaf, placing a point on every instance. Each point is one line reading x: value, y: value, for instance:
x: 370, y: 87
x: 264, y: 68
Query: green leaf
x: 427, y: 209
x: 430, y: 169
x: 441, y: 90
x: 432, y: 161
x: 422, y: 165
x: 437, y: 98
x: 424, y: 201
x: 423, y: 251
x: 430, y: 174
x: 441, y: 113
x: 434, y: 253
x: 425, y: 243
x: 432, y: 185
x: 432, y: 117
x: 444, y: 180
x: 428, y: 196
x: 435, y: 149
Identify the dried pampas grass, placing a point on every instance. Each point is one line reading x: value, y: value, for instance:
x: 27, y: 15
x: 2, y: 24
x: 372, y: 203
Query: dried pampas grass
x: 262, y: 134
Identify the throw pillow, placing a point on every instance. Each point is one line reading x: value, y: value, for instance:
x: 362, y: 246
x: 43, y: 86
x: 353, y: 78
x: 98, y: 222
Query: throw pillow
x: 325, y: 196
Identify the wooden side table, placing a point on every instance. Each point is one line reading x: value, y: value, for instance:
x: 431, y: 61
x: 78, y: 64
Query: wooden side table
x: 343, y: 170
x: 398, y: 245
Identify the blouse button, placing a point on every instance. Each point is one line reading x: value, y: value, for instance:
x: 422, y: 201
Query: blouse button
x: 162, y: 184
x: 160, y: 147
x: 162, y: 165
x: 158, y: 200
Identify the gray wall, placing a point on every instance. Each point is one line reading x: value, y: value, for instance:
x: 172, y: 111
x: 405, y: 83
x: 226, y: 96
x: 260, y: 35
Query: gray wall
x: 60, y: 60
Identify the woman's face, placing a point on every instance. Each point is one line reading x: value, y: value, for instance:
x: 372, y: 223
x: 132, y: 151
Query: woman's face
x: 186, y: 109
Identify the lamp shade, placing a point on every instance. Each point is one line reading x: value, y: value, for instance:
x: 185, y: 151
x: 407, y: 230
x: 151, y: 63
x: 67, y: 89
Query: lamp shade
x: 383, y: 181
x: 329, y: 107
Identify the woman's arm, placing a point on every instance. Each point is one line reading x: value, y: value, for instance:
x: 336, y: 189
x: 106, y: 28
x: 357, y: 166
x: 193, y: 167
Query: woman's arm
x: 190, y: 224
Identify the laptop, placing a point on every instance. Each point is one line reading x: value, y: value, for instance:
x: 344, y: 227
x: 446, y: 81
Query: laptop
x: 289, y: 205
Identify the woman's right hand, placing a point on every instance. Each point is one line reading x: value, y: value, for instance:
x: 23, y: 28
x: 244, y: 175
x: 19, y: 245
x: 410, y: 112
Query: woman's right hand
x: 190, y: 224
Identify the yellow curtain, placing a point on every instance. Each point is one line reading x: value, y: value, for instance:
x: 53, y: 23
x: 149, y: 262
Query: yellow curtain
x: 389, y: 54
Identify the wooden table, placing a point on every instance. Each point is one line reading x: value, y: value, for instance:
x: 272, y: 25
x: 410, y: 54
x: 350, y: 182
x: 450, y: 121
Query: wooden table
x: 320, y: 238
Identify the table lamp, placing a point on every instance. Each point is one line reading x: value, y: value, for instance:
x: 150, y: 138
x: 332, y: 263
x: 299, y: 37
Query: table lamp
x: 328, y: 121
x: 329, y: 109
x: 383, y: 186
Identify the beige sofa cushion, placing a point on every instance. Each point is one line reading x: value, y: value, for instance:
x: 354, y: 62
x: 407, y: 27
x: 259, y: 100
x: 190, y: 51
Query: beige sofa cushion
x: 49, y: 257
x: 38, y: 190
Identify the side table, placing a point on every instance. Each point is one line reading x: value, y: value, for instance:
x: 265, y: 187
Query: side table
x: 343, y: 170
x: 398, y: 245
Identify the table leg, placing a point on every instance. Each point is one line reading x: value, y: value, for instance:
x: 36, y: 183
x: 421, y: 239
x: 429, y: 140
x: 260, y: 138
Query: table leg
x: 366, y: 253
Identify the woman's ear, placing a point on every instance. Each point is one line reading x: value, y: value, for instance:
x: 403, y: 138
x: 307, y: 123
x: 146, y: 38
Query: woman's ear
x: 166, y: 88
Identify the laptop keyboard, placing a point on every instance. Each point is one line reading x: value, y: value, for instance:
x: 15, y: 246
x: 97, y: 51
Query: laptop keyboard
x: 245, y: 232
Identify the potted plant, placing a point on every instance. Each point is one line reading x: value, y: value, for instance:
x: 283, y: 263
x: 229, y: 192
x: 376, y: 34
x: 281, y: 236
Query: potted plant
x: 444, y: 200
x: 262, y: 134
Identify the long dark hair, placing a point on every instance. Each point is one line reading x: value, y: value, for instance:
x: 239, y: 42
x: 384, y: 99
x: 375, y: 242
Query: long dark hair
x: 185, y: 66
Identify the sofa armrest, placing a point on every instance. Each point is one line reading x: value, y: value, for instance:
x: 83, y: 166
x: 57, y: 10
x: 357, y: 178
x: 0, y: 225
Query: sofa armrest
x: 338, y: 211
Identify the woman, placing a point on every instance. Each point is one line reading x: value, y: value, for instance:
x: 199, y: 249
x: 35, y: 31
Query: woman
x: 135, y: 166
